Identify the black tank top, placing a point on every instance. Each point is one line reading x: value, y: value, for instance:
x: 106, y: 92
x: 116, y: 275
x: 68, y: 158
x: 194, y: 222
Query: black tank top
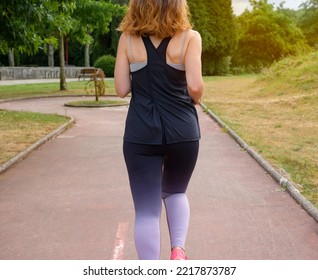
x: 161, y: 110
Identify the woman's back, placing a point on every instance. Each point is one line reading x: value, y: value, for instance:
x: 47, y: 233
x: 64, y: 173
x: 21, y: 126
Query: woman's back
x: 161, y: 110
x: 176, y: 50
x: 184, y: 50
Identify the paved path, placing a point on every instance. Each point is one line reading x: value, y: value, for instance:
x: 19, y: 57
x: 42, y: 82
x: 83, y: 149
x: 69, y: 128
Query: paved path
x: 70, y: 199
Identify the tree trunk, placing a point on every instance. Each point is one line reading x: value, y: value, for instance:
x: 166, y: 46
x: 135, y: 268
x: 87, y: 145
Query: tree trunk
x: 96, y: 89
x: 63, y: 85
x: 50, y: 55
x: 86, y: 55
x: 11, y: 57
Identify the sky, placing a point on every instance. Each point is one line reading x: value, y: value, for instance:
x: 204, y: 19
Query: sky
x: 240, y: 5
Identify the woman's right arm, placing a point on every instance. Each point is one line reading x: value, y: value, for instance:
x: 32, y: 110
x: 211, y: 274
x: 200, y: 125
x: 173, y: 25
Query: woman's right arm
x: 193, y: 67
x: 122, y: 72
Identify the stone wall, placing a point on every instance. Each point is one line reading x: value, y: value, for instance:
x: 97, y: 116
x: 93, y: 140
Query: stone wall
x: 21, y: 73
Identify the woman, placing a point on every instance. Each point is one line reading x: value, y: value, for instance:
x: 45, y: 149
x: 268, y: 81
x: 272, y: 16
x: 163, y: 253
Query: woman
x: 159, y: 62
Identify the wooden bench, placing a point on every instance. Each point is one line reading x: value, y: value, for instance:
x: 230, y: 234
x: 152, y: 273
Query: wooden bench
x: 87, y: 72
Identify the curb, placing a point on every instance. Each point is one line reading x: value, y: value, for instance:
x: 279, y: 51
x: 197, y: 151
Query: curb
x: 36, y: 145
x: 281, y: 180
x: 96, y: 106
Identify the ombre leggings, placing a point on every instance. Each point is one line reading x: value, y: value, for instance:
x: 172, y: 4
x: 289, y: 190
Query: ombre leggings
x: 156, y: 173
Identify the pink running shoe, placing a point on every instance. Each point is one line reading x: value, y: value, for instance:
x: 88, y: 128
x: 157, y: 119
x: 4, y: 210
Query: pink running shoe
x: 178, y: 254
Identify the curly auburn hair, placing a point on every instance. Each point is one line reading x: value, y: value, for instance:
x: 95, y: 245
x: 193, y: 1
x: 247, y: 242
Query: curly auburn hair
x: 160, y: 18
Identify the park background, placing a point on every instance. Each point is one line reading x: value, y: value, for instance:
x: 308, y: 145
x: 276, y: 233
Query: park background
x: 83, y: 32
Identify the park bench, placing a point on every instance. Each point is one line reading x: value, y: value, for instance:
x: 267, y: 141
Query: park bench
x: 87, y: 72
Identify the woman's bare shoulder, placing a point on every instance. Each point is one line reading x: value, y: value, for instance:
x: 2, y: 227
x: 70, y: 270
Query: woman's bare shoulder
x: 194, y: 34
x: 124, y: 37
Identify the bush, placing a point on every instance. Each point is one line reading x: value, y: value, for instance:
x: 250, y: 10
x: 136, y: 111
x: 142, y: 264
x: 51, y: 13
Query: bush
x: 107, y: 64
x: 222, y: 66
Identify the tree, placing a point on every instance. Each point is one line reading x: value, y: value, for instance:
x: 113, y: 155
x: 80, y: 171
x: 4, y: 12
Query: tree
x: 107, y: 43
x: 309, y: 22
x: 92, y: 18
x: 214, y: 20
x: 59, y: 22
x: 18, y: 26
x: 266, y: 35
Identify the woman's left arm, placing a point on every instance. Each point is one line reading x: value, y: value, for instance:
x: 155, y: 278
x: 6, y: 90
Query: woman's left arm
x: 193, y: 67
x: 122, y: 72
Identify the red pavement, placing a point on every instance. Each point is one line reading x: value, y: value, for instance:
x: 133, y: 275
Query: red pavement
x: 70, y: 199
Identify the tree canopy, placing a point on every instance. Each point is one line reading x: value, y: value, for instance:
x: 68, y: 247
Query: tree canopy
x: 252, y: 40
x: 214, y: 19
x: 19, y: 21
x: 309, y: 22
x: 266, y: 35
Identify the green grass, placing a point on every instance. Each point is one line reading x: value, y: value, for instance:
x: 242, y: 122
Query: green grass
x: 291, y: 75
x: 235, y: 77
x: 94, y: 103
x: 19, y: 130
x: 30, y: 90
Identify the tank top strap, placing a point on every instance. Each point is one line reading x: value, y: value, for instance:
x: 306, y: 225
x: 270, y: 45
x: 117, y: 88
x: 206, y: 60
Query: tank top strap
x: 147, y: 42
x: 130, y: 49
x: 182, y: 46
x: 162, y: 48
x: 152, y: 51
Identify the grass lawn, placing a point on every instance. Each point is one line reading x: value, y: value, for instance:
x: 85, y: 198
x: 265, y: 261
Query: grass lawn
x: 99, y: 103
x: 77, y: 87
x: 19, y: 130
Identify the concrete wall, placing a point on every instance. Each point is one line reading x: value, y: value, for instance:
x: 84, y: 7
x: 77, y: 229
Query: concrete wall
x: 21, y: 73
